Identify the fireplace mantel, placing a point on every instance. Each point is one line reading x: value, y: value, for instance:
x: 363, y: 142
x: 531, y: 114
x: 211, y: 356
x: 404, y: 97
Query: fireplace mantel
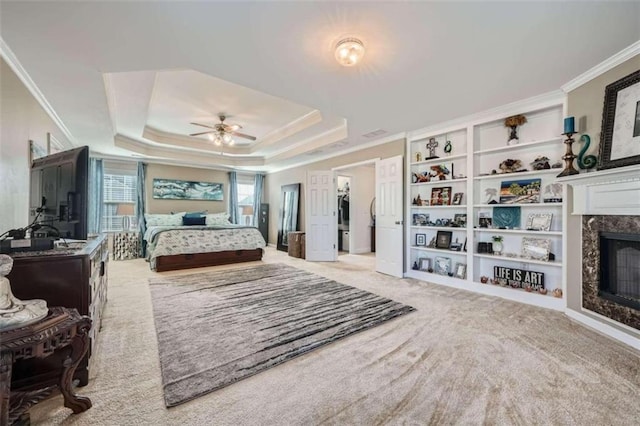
x: 606, y: 192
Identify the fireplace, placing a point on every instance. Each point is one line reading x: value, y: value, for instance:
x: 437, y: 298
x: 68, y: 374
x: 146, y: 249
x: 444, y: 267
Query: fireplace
x: 611, y: 267
x: 620, y: 268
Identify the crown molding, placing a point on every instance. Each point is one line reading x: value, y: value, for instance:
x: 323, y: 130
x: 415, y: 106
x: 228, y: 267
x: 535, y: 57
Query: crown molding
x: 374, y: 143
x: 186, y: 158
x: 290, y: 129
x: 539, y: 102
x: 322, y: 140
x: 604, y: 66
x: 13, y: 62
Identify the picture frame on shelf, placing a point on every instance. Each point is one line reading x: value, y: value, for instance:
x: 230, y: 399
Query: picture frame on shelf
x: 460, y: 271
x: 520, y: 191
x: 484, y: 222
x: 443, y: 239
x: 536, y: 248
x: 457, y: 199
x: 421, y: 240
x: 424, y: 264
x: 441, y: 196
x: 442, y: 265
x: 506, y: 217
x: 539, y: 221
x: 420, y: 219
x: 460, y: 219
x: 620, y: 145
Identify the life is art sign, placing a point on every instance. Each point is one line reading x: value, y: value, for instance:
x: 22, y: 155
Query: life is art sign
x: 518, y: 277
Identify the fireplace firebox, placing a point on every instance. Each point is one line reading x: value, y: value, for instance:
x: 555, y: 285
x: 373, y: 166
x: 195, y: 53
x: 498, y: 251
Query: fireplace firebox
x: 620, y: 268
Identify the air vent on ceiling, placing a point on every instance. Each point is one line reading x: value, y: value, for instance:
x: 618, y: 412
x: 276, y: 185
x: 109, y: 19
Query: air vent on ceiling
x: 374, y: 133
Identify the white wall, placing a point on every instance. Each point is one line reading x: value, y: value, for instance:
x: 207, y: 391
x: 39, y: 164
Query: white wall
x: 21, y: 119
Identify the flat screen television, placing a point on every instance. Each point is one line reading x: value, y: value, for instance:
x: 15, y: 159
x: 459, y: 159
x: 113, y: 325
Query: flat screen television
x: 59, y: 193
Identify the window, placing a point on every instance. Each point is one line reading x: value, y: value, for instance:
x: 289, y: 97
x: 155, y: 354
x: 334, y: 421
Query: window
x: 120, y: 197
x: 246, y: 189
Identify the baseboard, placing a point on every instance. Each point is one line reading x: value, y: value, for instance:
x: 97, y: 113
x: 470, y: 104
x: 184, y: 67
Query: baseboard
x: 603, y: 328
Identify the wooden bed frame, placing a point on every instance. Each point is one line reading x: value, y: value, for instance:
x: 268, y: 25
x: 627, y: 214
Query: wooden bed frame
x: 198, y: 260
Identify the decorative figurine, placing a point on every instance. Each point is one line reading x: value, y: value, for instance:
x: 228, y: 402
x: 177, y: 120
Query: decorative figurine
x: 510, y: 166
x: 542, y: 290
x: 415, y: 266
x: 439, y: 172
x: 513, y: 122
x: 540, y: 163
x: 432, y: 243
x: 490, y: 193
x: 448, y: 148
x: 431, y: 146
x: 586, y: 161
x: 418, y: 157
x: 15, y: 313
x: 557, y: 292
x: 484, y: 279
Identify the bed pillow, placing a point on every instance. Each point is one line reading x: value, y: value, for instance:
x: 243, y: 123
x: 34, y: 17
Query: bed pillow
x: 218, y: 219
x: 163, y: 219
x: 196, y: 214
x: 193, y: 220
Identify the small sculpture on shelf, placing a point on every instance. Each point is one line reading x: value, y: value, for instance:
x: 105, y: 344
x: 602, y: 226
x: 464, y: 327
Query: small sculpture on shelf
x: 511, y: 166
x: 497, y: 244
x: 417, y: 201
x: 513, y: 122
x: 418, y: 157
x: 542, y: 290
x: 432, y: 243
x: 557, y: 292
x: 420, y: 178
x: 439, y: 172
x: 541, y: 163
x: 448, y: 148
x: 15, y: 313
x: 490, y: 193
x: 431, y: 146
x: 586, y: 162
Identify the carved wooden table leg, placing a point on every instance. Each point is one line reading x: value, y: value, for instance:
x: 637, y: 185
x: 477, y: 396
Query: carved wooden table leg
x: 6, y: 363
x: 79, y: 347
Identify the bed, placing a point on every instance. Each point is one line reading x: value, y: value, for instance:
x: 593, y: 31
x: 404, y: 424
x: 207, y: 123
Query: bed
x: 171, y: 247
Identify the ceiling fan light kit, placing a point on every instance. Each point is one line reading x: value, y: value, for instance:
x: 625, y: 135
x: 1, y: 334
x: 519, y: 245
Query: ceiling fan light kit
x: 222, y: 133
x: 349, y: 51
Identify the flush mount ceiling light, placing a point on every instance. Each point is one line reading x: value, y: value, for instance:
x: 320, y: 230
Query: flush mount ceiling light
x: 349, y: 51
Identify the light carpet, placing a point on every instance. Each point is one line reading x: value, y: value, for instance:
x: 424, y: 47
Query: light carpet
x: 216, y: 328
x: 460, y: 358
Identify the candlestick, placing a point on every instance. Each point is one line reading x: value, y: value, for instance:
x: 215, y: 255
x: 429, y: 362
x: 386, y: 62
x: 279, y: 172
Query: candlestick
x: 569, y: 156
x: 569, y: 125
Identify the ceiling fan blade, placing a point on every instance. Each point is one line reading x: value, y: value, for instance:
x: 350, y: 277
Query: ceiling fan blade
x: 204, y: 125
x: 202, y: 133
x: 234, y: 127
x: 242, y: 135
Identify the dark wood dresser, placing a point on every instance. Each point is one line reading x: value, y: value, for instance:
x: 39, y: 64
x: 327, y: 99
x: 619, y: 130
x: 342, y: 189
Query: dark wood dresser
x: 73, y: 277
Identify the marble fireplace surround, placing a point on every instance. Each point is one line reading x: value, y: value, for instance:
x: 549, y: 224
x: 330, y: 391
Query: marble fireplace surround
x: 591, y: 227
x: 609, y: 201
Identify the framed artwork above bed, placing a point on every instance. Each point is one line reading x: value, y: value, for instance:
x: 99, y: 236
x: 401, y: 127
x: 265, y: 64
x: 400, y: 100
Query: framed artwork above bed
x: 173, y: 189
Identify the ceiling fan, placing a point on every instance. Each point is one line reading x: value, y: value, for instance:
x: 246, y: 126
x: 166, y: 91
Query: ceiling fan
x: 222, y: 133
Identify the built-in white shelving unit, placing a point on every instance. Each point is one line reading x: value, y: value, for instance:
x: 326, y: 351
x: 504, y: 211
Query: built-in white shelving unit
x: 477, y: 149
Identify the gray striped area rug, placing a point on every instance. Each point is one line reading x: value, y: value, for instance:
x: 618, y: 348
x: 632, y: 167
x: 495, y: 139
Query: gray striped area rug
x: 215, y: 328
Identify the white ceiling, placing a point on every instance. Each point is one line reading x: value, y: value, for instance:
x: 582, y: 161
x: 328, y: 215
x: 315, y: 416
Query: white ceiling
x: 128, y: 77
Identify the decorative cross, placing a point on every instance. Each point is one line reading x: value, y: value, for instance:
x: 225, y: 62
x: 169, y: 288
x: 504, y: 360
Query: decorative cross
x: 431, y: 146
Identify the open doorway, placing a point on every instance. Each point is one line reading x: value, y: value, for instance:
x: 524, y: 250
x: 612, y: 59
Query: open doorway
x: 355, y: 184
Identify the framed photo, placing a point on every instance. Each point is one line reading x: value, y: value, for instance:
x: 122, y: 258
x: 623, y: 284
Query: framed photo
x: 441, y: 196
x: 442, y: 265
x: 460, y: 271
x: 175, y: 189
x: 484, y: 222
x: 521, y: 191
x: 424, y: 263
x: 457, y: 199
x: 536, y: 248
x: 420, y: 219
x: 539, y: 221
x: 460, y: 219
x: 421, y: 240
x: 443, y: 239
x: 620, y: 145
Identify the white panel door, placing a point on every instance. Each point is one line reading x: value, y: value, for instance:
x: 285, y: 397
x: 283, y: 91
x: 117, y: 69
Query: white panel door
x: 389, y: 216
x: 321, y: 223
